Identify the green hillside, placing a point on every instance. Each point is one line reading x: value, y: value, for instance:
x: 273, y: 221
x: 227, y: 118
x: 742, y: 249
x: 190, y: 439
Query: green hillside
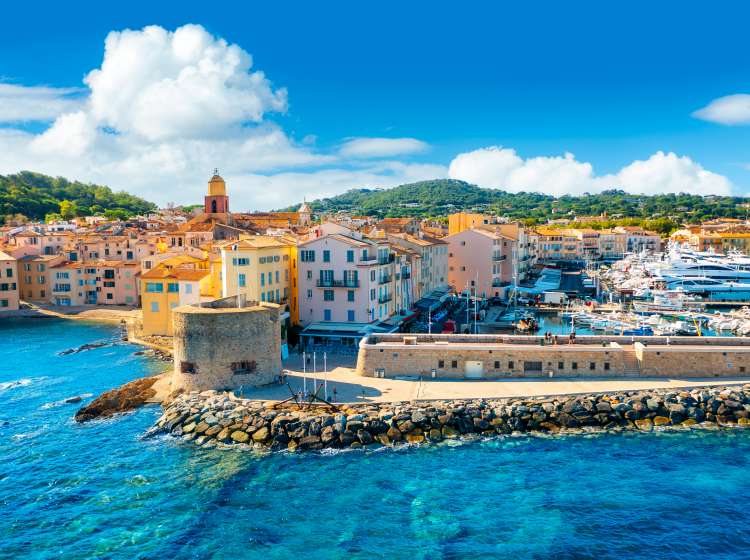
x: 37, y: 196
x: 441, y: 197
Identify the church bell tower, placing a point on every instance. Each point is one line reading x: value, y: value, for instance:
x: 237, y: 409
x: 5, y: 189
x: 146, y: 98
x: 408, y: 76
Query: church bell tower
x: 216, y: 201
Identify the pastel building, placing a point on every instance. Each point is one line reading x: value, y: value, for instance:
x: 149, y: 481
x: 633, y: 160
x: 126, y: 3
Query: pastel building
x: 258, y: 267
x: 93, y: 283
x: 346, y: 286
x: 9, y: 299
x: 33, y: 277
x: 480, y: 261
x: 163, y: 289
x: 433, y: 253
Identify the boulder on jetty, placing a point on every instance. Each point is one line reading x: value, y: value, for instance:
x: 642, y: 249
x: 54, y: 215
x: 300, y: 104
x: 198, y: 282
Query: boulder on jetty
x: 224, y: 419
x: 128, y: 397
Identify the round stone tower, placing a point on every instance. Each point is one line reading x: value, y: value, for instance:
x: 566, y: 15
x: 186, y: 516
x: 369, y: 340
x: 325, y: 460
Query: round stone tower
x: 224, y: 347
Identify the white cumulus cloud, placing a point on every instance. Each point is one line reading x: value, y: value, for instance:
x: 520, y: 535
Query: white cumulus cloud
x: 382, y: 147
x: 35, y: 103
x: 186, y: 83
x: 503, y: 168
x: 731, y: 109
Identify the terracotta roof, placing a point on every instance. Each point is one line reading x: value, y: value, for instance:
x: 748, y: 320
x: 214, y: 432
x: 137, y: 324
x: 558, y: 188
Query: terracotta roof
x: 162, y: 273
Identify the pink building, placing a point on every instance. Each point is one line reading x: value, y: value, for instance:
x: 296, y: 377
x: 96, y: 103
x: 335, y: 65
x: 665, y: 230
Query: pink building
x: 481, y: 261
x: 94, y: 282
x: 345, y: 279
x: 8, y: 283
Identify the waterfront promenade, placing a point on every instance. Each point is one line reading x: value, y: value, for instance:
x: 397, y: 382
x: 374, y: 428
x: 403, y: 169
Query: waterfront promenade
x: 351, y: 387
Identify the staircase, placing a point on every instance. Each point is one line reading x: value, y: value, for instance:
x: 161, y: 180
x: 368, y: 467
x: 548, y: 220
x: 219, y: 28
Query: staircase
x: 632, y: 365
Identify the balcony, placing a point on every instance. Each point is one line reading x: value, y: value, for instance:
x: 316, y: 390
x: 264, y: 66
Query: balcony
x: 368, y: 258
x: 385, y: 279
x: 385, y: 298
x: 337, y: 283
x: 405, y: 275
x: 497, y: 283
x: 498, y: 258
x: 387, y: 259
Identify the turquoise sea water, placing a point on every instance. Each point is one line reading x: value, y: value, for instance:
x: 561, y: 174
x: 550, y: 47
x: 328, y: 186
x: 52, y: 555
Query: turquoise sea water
x: 99, y: 491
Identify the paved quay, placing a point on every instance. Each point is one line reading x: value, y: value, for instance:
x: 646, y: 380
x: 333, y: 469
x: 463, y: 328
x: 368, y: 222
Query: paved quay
x: 353, y: 388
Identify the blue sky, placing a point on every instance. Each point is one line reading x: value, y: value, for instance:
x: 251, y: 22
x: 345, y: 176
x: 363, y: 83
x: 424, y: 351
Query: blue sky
x: 611, y: 84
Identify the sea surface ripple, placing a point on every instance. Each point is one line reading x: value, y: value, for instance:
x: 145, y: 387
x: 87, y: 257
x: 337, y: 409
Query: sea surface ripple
x: 101, y: 491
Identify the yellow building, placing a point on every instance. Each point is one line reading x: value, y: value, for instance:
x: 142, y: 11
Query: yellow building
x: 260, y: 267
x: 164, y: 288
x: 461, y: 221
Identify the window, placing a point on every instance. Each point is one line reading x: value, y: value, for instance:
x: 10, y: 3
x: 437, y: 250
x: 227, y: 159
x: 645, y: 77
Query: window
x: 532, y: 366
x: 241, y: 261
x: 326, y: 314
x: 327, y: 295
x: 606, y: 366
x: 3, y: 303
x: 592, y: 366
x: 326, y: 256
x: 441, y: 364
x: 173, y: 287
x: 350, y: 295
x: 309, y: 274
x: 263, y: 296
x: 454, y: 364
x: 154, y: 287
x: 109, y: 295
x: 511, y: 365
x: 109, y: 273
x: 270, y: 278
x: 277, y: 276
x: 154, y: 307
x: 309, y: 294
x: 350, y: 315
x: 350, y: 256
x: 241, y: 280
x: 574, y: 365
x: 245, y: 366
x: 307, y: 256
x: 560, y: 365
x: 262, y: 279
x: 9, y: 272
x: 497, y: 364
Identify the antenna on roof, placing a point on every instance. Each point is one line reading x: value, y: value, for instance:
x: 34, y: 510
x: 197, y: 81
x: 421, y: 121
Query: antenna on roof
x: 216, y: 170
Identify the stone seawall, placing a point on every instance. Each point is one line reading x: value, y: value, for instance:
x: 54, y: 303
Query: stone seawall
x: 212, y: 418
x: 493, y: 357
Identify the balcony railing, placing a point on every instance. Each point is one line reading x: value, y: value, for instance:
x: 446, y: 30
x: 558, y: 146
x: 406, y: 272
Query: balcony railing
x: 385, y: 279
x: 368, y: 258
x: 337, y: 283
x: 387, y: 259
x: 385, y: 298
x: 498, y: 258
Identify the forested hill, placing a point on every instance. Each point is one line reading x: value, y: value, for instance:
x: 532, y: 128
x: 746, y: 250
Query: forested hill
x: 37, y: 196
x: 441, y: 197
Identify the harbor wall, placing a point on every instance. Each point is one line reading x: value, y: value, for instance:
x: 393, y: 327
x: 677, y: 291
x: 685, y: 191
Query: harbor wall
x: 493, y: 357
x: 221, y: 346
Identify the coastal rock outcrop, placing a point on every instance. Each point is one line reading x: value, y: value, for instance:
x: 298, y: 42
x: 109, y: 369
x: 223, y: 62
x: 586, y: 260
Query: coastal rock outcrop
x: 128, y: 397
x: 213, y: 418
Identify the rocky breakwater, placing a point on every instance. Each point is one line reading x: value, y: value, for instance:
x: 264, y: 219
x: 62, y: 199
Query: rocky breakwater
x: 211, y: 418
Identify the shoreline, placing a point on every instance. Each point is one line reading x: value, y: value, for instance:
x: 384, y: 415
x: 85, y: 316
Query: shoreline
x: 216, y: 419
